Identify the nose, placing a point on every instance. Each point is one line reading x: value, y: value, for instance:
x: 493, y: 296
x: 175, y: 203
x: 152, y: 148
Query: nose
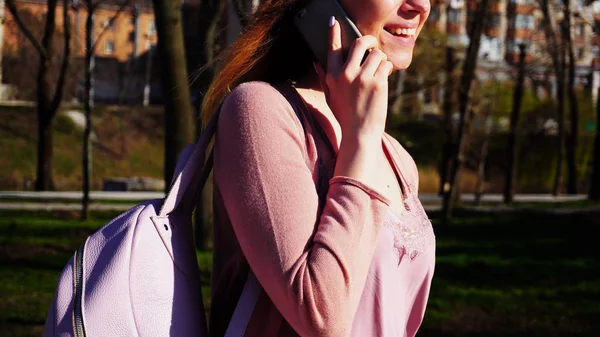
x: 416, y: 7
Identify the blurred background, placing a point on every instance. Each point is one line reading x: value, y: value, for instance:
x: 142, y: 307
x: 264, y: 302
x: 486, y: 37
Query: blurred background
x: 499, y: 109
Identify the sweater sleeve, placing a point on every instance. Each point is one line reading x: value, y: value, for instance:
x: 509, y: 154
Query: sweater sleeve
x: 312, y: 267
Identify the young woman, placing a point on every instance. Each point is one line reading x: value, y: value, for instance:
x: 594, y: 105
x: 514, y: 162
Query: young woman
x: 310, y: 194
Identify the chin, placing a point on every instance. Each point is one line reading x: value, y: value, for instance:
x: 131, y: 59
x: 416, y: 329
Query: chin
x: 401, y: 62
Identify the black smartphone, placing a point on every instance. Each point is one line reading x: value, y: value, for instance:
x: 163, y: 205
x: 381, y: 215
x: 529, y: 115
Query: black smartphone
x: 312, y: 23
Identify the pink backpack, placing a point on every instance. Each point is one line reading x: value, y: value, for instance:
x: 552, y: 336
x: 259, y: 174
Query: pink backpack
x: 138, y: 275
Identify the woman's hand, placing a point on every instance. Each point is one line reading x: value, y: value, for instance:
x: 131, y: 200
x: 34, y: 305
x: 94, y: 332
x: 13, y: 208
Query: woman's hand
x: 357, y: 93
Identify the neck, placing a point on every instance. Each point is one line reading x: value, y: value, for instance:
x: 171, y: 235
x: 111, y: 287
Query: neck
x: 310, y: 81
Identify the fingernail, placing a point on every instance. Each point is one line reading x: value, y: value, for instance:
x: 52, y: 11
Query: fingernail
x: 331, y: 21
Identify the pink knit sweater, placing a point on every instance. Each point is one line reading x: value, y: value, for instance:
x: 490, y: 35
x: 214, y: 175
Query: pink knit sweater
x: 333, y: 259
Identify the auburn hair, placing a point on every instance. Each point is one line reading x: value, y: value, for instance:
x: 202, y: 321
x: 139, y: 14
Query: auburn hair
x: 270, y: 50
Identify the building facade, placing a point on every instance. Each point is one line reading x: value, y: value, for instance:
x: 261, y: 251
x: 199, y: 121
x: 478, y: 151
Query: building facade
x: 125, y: 40
x: 515, y: 22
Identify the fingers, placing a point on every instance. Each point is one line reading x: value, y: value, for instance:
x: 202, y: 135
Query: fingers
x: 358, y: 50
x: 334, y: 57
x: 373, y: 62
x: 384, y: 70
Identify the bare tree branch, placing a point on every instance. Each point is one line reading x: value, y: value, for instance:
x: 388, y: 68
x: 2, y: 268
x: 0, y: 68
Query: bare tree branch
x: 26, y: 31
x: 110, y: 22
x: 49, y: 27
x: 58, y: 94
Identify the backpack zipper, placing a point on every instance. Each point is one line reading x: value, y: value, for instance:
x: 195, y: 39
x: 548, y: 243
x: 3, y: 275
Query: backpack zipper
x: 78, y: 327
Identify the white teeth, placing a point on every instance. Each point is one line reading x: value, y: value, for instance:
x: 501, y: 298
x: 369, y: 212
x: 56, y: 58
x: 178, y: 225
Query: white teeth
x: 405, y: 31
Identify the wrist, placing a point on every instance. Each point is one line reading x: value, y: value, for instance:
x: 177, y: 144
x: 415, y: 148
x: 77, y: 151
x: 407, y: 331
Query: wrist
x: 358, y: 141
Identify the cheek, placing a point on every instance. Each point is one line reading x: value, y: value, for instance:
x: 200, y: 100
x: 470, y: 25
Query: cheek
x: 370, y: 15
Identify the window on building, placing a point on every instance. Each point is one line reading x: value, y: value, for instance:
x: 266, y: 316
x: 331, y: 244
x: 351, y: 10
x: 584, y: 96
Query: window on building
x: 522, y: 2
x: 580, y: 53
x: 427, y: 97
x: 524, y: 21
x: 458, y: 39
x: 108, y: 24
x: 454, y: 15
x: 580, y: 5
x: 580, y: 30
x: 434, y: 15
x: 151, y: 27
x: 596, y: 52
x: 493, y: 20
x: 109, y: 47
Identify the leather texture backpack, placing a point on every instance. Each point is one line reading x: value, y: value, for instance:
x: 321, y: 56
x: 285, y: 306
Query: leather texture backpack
x: 138, y: 275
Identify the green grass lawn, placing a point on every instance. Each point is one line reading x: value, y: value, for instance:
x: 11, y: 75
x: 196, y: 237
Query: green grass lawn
x: 128, y: 142
x: 511, y: 274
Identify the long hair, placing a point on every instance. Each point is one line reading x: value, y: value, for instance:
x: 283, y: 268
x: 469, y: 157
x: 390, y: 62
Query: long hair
x: 270, y: 50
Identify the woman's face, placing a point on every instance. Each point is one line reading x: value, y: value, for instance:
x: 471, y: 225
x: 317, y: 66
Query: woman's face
x: 395, y: 23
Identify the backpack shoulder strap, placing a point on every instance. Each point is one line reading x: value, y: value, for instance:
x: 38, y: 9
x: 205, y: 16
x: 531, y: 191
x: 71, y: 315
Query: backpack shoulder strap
x: 191, y: 178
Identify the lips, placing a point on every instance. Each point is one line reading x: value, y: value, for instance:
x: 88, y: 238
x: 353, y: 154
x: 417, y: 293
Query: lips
x: 401, y: 36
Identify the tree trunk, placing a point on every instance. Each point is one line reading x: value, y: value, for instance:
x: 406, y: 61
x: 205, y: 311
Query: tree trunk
x: 47, y: 103
x: 512, y: 148
x: 448, y: 107
x: 88, y: 107
x: 595, y: 181
x: 571, y: 141
x: 210, y: 17
x: 558, y: 64
x: 148, y: 77
x: 468, y: 73
x: 482, y: 161
x: 44, y: 151
x: 2, y: 20
x: 178, y: 109
x: 558, y: 178
x: 44, y: 181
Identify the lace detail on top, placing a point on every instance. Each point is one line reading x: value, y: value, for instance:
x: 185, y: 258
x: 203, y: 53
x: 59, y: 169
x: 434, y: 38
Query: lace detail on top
x: 413, y: 232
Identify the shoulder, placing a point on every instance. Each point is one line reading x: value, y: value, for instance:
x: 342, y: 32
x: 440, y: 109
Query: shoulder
x: 258, y: 108
x: 407, y: 163
x: 255, y: 100
x: 252, y: 92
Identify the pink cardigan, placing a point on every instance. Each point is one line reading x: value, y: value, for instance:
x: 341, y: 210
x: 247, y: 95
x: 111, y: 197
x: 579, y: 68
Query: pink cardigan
x: 337, y: 265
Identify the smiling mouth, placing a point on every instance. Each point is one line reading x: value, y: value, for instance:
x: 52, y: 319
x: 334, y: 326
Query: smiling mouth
x: 402, y: 32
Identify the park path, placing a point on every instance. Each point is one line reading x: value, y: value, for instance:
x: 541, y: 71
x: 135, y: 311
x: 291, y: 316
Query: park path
x: 122, y: 201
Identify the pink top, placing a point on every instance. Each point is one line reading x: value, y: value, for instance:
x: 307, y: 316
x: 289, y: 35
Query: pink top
x: 333, y: 258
